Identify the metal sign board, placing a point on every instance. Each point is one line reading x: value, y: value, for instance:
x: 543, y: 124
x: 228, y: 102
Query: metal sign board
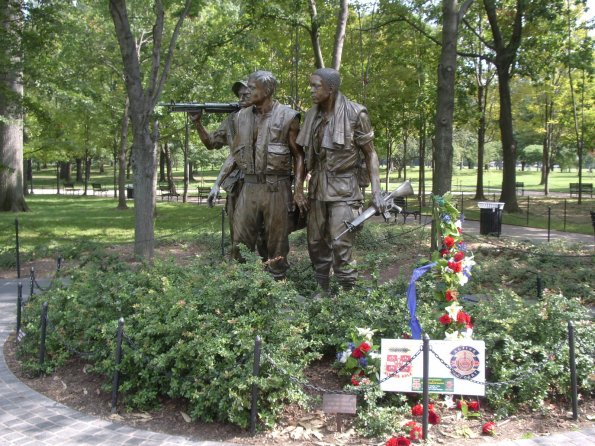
x: 338, y: 403
x: 457, y: 367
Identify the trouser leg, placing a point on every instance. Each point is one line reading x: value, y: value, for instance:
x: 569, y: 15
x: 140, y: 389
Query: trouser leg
x: 319, y: 245
x: 246, y: 219
x: 342, y: 259
x: 276, y: 226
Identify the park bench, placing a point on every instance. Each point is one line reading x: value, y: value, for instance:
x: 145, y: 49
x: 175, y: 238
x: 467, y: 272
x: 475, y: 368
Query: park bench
x: 520, y: 185
x: 585, y: 188
x: 70, y: 187
x: 203, y: 194
x: 165, y: 191
x: 98, y: 189
x: 405, y: 210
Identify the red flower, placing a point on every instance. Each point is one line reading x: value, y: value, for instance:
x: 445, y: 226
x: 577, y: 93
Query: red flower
x: 473, y: 405
x: 489, y: 428
x: 433, y: 417
x: 459, y: 256
x: 417, y: 410
x: 457, y: 267
x: 416, y: 433
x: 355, y: 380
x: 451, y: 295
x: 445, y: 319
x: 399, y: 441
x: 357, y: 353
x: 460, y: 230
x: 365, y: 347
x: 449, y: 242
x: 464, y: 318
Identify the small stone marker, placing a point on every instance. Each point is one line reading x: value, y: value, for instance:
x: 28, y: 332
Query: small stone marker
x: 339, y: 404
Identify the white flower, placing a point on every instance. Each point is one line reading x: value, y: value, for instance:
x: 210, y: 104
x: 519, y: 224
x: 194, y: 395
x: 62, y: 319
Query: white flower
x: 458, y: 224
x: 454, y: 336
x: 449, y: 402
x: 467, y: 334
x: 344, y: 356
x: 374, y: 355
x: 453, y: 309
x: 365, y: 333
x: 463, y: 279
x: 447, y: 270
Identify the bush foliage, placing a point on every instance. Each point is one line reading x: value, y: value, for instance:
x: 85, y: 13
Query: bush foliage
x: 190, y: 329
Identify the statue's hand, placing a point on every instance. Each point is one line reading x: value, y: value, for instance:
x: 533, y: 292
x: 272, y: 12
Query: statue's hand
x: 378, y: 202
x: 213, y: 195
x: 195, y: 116
x: 301, y: 201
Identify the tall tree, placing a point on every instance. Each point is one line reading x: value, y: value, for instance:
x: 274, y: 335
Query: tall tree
x: 447, y: 67
x: 12, y: 196
x: 143, y: 99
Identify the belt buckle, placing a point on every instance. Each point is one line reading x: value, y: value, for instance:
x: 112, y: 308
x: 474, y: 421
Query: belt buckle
x: 260, y: 178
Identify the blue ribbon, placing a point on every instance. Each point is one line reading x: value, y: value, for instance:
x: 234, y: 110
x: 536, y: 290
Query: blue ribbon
x: 412, y: 299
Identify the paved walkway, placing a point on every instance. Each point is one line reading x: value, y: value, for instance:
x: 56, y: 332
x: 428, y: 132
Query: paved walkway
x: 29, y: 418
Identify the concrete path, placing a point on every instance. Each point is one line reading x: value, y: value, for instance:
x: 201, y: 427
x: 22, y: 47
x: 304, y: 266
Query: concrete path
x: 29, y: 418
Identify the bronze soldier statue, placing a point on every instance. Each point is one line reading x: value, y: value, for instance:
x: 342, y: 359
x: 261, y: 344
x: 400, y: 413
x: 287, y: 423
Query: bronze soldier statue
x: 230, y: 176
x: 338, y: 137
x: 264, y: 148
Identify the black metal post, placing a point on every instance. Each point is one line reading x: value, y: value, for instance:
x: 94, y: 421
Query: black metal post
x: 528, y: 200
x: 223, y: 232
x: 462, y: 202
x: 572, y: 359
x: 118, y: 360
x: 58, y: 264
x: 18, y: 247
x: 549, y: 222
x: 44, y: 327
x: 19, y: 308
x: 31, y: 283
x: 255, y: 373
x: 539, y: 288
x: 426, y: 386
x: 565, y: 208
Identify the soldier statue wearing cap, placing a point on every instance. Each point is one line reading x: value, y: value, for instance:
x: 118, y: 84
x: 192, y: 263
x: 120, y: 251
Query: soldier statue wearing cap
x: 337, y: 137
x: 230, y: 176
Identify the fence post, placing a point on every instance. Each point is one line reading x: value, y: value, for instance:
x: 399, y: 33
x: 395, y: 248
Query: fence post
x: 19, y: 308
x: 549, y: 222
x: 58, y: 263
x: 572, y: 359
x: 223, y: 232
x: 426, y: 386
x: 118, y: 360
x: 528, y: 200
x: 539, y: 287
x: 462, y: 202
x: 18, y: 248
x: 31, y: 282
x: 255, y: 373
x: 44, y: 326
x: 565, y: 214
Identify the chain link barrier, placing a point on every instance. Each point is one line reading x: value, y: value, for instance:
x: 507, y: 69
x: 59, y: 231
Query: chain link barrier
x: 361, y: 389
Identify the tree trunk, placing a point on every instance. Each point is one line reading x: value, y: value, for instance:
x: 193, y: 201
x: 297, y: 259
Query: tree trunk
x: 122, y: 158
x: 443, y: 151
x: 509, y: 144
x: 12, y: 197
x: 162, y: 177
x: 78, y: 170
x: 481, y: 139
x: 315, y: 34
x: 340, y: 34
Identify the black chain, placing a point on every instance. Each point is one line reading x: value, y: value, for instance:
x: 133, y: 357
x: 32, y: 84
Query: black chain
x: 65, y: 342
x: 362, y: 389
x: 528, y: 375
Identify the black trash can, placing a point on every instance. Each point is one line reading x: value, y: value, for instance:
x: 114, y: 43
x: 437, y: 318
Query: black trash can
x: 490, y: 217
x: 129, y: 192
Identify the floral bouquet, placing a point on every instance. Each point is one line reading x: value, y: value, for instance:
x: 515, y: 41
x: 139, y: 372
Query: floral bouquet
x: 452, y: 269
x: 360, y: 358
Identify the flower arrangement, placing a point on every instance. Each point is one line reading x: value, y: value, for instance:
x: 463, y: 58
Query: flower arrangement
x: 489, y: 428
x: 452, y: 268
x: 360, y: 358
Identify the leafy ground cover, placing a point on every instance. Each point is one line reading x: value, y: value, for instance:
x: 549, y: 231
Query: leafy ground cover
x: 195, y: 305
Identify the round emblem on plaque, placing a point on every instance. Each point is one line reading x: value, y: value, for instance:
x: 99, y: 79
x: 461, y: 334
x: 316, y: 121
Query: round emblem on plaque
x: 464, y: 362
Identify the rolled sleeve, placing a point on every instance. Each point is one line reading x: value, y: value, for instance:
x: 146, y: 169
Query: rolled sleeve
x: 363, y: 132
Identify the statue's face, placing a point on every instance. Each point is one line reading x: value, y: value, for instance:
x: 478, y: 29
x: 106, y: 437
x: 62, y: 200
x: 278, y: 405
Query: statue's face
x: 257, y: 92
x: 244, y: 97
x: 319, y: 91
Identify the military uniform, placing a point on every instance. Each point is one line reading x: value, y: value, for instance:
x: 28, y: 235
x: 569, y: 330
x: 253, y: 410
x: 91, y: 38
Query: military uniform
x: 333, y: 160
x: 262, y: 152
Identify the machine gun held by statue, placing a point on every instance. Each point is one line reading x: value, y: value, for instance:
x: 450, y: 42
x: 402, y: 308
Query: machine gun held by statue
x: 207, y: 107
x: 402, y: 191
